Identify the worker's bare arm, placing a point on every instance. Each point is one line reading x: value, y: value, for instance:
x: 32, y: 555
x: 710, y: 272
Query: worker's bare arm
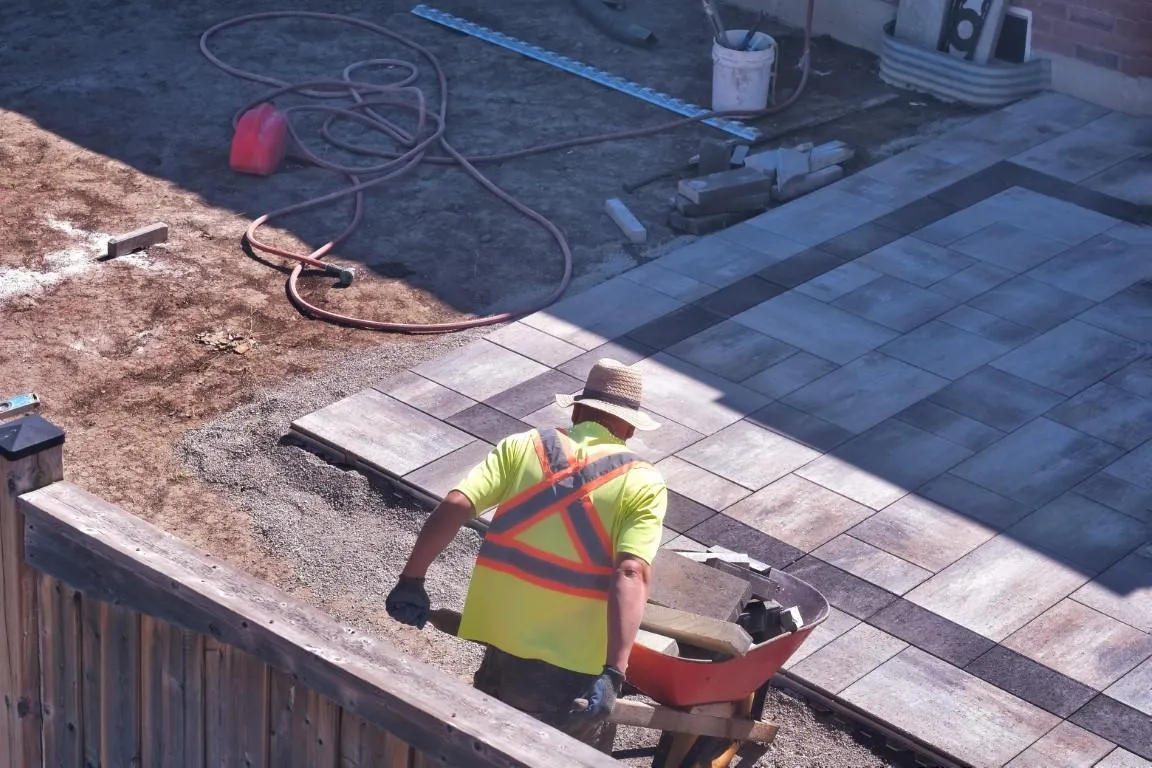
x: 626, y: 601
x: 438, y: 531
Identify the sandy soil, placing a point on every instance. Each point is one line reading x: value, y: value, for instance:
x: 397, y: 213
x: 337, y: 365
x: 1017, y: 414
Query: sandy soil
x: 110, y: 119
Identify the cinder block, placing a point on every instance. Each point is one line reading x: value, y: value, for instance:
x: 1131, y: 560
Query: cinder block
x: 134, y: 241
x: 750, y: 203
x: 629, y: 224
x: 739, y: 182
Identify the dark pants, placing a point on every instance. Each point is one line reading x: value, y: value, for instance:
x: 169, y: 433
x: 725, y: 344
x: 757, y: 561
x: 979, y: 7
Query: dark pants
x: 541, y: 690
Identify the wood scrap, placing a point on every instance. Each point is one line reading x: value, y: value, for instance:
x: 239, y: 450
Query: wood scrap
x: 641, y: 715
x: 680, y: 583
x: 700, y: 631
x: 659, y: 643
x: 136, y: 240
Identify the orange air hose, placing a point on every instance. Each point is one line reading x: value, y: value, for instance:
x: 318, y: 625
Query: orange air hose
x: 429, y: 134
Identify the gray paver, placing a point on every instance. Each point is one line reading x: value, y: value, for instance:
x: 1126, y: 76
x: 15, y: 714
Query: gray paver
x: 848, y: 658
x: 1135, y: 467
x: 799, y: 512
x: 1031, y: 303
x: 1081, y: 643
x: 820, y: 216
x: 923, y: 532
x: 872, y: 564
x: 658, y: 277
x: 731, y: 350
x: 1096, y: 269
x: 967, y: 717
x: 1135, y: 688
x: 1019, y: 581
x: 749, y: 455
x: 1081, y: 532
x: 425, y: 395
x: 940, y: 421
x: 965, y: 222
x: 1127, y: 180
x: 835, y: 625
x: 535, y: 344
x: 580, y: 319
x: 1070, y: 357
x: 865, y: 392
x: 815, y: 327
x: 441, y: 476
x: 1135, y: 378
x: 877, y: 191
x: 1123, y: 592
x: 1122, y: 758
x: 916, y: 261
x: 895, y: 303
x: 1128, y: 313
x: 719, y: 261
x: 480, y: 369
x: 997, y: 398
x: 660, y: 443
x: 1056, y: 112
x: 1077, y: 155
x: 700, y: 485
x: 1010, y: 247
x: 695, y: 398
x: 916, y: 174
x: 989, y: 326
x: 775, y: 247
x: 973, y: 281
x: 1048, y: 216
x: 1038, y: 462
x: 839, y: 282
x: 1065, y: 745
x: 944, y: 349
x: 1109, y: 413
x: 883, y: 464
x: 1121, y: 496
x: 789, y: 375
x: 973, y: 501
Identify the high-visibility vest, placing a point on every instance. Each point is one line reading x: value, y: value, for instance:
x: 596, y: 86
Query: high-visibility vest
x: 565, y: 490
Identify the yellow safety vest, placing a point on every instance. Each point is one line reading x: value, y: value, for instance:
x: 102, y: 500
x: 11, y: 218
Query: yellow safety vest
x: 535, y: 600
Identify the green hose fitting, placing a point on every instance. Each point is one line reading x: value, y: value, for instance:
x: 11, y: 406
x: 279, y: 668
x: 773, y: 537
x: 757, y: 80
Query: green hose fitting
x: 345, y: 274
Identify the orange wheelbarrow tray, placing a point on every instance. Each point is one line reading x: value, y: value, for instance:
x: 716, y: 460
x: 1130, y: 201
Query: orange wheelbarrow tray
x: 679, y: 682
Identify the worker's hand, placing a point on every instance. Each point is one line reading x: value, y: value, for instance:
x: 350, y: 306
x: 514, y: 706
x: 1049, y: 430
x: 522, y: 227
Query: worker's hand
x: 408, y: 602
x: 596, y: 703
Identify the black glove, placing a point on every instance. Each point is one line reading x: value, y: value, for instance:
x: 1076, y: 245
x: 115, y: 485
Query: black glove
x: 596, y: 702
x: 408, y: 602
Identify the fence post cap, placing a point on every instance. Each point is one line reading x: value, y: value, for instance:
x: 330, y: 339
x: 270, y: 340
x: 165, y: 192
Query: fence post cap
x: 28, y: 435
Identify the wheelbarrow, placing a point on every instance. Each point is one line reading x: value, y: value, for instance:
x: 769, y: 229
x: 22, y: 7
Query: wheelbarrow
x: 708, y: 709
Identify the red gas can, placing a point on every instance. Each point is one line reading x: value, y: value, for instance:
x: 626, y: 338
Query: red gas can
x: 260, y: 142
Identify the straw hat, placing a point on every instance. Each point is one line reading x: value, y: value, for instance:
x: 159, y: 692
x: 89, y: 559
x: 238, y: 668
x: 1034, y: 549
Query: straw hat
x: 613, y: 388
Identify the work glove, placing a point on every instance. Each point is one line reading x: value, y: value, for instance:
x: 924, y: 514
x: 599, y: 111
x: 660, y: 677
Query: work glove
x: 596, y: 702
x: 408, y: 603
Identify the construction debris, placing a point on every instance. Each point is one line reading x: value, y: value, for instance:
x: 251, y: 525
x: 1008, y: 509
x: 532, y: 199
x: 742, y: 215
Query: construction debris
x: 137, y: 240
x: 224, y: 341
x: 680, y: 583
x: 739, y: 182
x: 808, y: 182
x: 715, y: 156
x: 628, y: 223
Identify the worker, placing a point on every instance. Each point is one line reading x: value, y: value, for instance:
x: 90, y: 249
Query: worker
x: 563, y: 574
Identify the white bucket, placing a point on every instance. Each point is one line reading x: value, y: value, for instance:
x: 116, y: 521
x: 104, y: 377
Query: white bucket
x: 742, y: 80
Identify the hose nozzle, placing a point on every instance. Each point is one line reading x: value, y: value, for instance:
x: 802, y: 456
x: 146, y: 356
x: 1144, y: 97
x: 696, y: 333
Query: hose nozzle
x: 345, y: 274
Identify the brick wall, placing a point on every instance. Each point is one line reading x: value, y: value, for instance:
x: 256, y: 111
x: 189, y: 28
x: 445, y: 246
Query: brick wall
x: 1113, y: 34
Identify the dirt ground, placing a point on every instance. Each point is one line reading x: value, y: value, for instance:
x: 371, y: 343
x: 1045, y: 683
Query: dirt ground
x: 110, y: 119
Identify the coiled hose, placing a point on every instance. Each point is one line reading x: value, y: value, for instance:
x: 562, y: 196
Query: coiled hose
x: 418, y: 148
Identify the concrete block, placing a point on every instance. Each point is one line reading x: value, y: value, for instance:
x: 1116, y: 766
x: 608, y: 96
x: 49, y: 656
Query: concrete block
x: 791, y: 163
x: 703, y: 225
x: 739, y: 154
x: 809, y: 182
x: 738, y: 182
x: 765, y: 162
x: 920, y: 22
x: 749, y: 203
x: 134, y: 241
x: 827, y: 155
x: 714, y: 157
x: 629, y: 224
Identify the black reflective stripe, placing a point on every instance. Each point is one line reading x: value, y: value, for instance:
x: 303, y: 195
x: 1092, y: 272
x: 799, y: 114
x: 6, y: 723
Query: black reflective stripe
x: 559, y: 490
x: 554, y: 450
x: 542, y: 569
x: 586, y: 532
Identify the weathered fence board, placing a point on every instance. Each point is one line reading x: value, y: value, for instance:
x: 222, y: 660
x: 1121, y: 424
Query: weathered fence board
x: 59, y: 627
x: 172, y: 704
x: 119, y: 686
x: 91, y: 649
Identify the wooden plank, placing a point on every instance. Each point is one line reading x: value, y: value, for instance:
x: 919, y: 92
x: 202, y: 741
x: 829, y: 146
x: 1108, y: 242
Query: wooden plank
x: 363, y: 745
x: 216, y: 709
x: 641, y: 715
x: 323, y: 732
x: 119, y: 686
x: 247, y: 697
x: 91, y: 634
x: 155, y: 573
x: 21, y: 718
x: 286, y: 720
x: 60, y: 673
x: 137, y: 239
x: 172, y: 703
x: 700, y: 631
x: 398, y: 753
x: 680, y: 583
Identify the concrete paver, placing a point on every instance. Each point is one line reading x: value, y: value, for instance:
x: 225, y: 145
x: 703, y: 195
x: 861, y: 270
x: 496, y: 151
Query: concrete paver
x: 925, y: 390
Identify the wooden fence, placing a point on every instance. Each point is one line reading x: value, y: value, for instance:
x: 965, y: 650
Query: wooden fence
x: 122, y: 646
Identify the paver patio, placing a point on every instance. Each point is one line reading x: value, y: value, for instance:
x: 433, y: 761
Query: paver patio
x: 927, y: 390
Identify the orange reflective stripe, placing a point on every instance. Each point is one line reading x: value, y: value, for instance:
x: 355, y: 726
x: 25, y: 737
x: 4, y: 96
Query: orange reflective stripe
x: 565, y: 490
